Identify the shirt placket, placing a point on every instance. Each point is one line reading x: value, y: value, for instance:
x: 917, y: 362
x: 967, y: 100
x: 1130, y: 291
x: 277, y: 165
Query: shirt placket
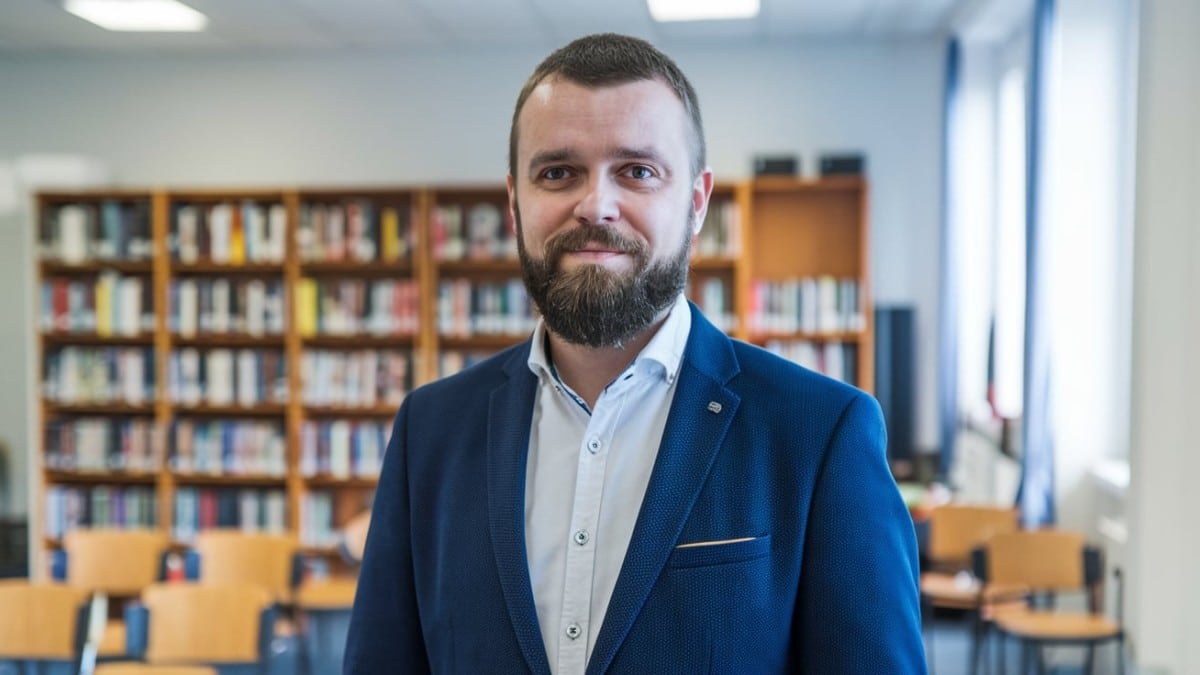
x: 580, y: 565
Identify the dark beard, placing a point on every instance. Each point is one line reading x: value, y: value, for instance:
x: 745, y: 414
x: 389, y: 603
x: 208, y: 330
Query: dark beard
x: 591, y: 305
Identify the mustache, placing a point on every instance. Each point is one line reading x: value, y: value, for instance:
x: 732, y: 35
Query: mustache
x: 578, y: 238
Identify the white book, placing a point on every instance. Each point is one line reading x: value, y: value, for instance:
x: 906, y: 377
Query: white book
x: 276, y: 511
x: 255, y: 310
x: 370, y: 373
x: 189, y: 376
x: 133, y: 374
x: 220, y: 229
x: 219, y: 369
x: 247, y: 378
x: 276, y: 233
x: 72, y: 233
x: 187, y: 222
x: 130, y: 320
x: 339, y: 449
x: 189, y: 307
x: 221, y: 297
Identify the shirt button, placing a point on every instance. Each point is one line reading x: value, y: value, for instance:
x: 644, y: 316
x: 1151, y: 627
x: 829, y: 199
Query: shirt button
x: 593, y: 444
x: 574, y: 631
x: 581, y: 537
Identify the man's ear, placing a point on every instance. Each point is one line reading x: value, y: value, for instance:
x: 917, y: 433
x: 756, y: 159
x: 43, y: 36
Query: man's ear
x: 701, y: 192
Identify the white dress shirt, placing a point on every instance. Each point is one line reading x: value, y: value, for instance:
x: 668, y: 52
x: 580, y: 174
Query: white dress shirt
x: 586, y: 476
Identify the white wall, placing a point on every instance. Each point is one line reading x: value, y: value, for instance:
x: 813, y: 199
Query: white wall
x: 440, y: 118
x: 1164, y: 455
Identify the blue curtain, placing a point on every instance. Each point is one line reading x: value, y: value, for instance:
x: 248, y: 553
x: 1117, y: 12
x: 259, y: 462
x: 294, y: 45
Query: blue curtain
x: 948, y: 320
x: 1035, y: 498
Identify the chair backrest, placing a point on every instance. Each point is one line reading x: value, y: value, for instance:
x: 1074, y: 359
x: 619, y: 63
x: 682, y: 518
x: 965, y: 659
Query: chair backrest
x: 234, y: 556
x: 957, y: 529
x: 1043, y: 560
x: 38, y: 621
x: 147, y: 669
x: 203, y: 623
x: 120, y: 562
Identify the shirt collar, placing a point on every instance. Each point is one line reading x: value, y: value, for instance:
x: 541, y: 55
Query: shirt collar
x: 665, y: 348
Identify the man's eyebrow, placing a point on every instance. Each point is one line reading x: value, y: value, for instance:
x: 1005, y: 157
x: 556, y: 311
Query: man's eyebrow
x: 551, y: 157
x: 647, y: 153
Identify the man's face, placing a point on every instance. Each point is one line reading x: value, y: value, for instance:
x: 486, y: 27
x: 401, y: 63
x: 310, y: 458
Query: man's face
x: 605, y: 205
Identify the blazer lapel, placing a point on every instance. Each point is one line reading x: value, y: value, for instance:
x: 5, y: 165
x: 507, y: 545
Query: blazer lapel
x: 509, y: 413
x: 696, y: 425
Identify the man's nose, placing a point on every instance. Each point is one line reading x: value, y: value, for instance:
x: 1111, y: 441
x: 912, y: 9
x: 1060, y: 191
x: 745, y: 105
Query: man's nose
x: 600, y: 205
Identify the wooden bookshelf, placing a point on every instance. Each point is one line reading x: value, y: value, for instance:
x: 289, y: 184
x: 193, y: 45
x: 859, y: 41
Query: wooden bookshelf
x: 340, y: 288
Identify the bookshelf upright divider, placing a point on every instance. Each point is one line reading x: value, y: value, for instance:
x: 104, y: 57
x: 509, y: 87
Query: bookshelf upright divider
x: 362, y: 293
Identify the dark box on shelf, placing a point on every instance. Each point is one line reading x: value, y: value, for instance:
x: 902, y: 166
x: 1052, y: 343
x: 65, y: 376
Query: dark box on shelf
x: 776, y: 165
x: 843, y: 165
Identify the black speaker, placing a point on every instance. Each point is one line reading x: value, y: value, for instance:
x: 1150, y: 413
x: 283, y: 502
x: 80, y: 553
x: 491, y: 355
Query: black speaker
x: 776, y: 165
x: 843, y: 165
x: 896, y: 377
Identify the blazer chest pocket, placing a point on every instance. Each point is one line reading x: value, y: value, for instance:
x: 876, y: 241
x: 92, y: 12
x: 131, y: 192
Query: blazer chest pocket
x: 704, y: 554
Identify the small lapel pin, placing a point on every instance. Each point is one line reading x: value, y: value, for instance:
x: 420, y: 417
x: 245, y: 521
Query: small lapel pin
x: 714, y: 407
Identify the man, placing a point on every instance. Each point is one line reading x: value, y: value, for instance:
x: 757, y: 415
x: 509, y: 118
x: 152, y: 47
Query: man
x: 630, y: 491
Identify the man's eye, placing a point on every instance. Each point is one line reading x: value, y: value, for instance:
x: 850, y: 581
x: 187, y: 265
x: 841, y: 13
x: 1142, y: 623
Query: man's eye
x: 555, y: 173
x: 640, y: 172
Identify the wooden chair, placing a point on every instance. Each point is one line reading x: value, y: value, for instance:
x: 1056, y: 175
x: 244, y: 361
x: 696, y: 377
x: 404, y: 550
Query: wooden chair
x: 269, y: 561
x: 1051, y: 563
x: 955, y: 530
x: 111, y: 563
x: 40, y: 622
x: 202, y: 624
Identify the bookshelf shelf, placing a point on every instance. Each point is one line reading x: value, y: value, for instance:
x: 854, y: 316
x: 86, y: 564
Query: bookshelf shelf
x: 224, y: 269
x: 225, y: 479
x: 374, y: 269
x: 340, y: 295
x: 114, y: 409
x: 258, y: 410
x: 87, y: 477
x: 228, y: 340
x: 385, y: 411
x: 358, y: 341
x: 92, y: 339
x: 50, y: 268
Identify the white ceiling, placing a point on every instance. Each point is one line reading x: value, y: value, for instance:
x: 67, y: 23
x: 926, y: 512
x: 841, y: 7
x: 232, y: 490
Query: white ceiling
x: 42, y: 26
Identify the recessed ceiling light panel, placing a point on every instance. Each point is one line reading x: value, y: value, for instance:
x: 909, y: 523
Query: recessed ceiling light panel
x: 702, y: 10
x: 161, y: 16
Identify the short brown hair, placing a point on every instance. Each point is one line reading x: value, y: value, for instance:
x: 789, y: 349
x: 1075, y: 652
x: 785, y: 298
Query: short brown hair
x: 608, y: 59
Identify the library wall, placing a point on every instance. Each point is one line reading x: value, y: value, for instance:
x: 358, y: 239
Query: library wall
x: 375, y: 119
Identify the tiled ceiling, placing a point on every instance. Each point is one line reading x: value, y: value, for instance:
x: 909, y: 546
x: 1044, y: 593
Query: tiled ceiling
x: 42, y: 26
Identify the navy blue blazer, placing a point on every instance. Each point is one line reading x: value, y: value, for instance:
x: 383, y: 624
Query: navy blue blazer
x: 795, y: 460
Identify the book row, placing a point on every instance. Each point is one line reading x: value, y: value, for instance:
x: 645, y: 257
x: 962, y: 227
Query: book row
x: 357, y: 230
x: 451, y: 361
x: 713, y: 296
x: 247, y: 509
x: 481, y: 231
x: 102, y: 444
x: 343, y: 448
x: 812, y: 305
x: 98, y: 375
x: 317, y: 522
x: 222, y: 447
x: 107, y: 230
x: 228, y: 232
x: 364, y: 378
x: 111, y: 304
x: 357, y: 307
x: 721, y: 235
x: 70, y: 507
x: 222, y: 377
x: 466, y: 308
x: 835, y: 359
x: 219, y: 306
